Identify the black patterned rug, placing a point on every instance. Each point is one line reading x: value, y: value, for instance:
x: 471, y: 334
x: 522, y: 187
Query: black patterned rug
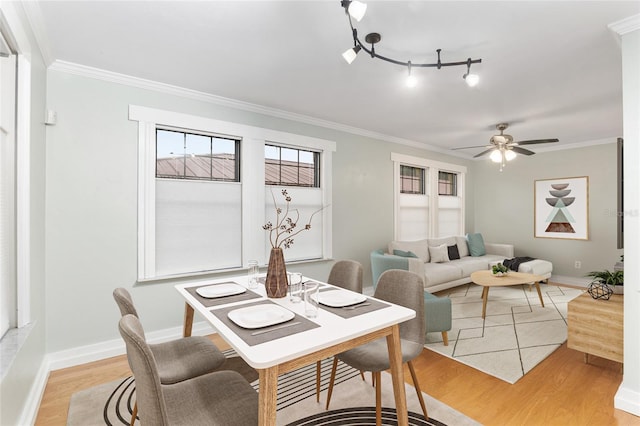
x: 353, y: 401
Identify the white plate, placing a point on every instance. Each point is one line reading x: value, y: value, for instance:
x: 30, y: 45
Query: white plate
x: 258, y: 316
x: 220, y: 290
x: 339, y: 298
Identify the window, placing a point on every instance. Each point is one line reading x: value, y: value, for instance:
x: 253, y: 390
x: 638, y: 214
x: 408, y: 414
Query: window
x: 411, y: 180
x: 429, y: 200
x: 447, y: 183
x: 291, y: 166
x: 205, y: 190
x: 185, y: 155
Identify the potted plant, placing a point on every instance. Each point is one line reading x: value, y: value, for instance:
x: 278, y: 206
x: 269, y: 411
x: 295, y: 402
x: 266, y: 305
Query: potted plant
x: 605, y: 283
x: 499, y: 270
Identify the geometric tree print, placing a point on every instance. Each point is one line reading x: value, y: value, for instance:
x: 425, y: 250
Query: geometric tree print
x: 560, y: 219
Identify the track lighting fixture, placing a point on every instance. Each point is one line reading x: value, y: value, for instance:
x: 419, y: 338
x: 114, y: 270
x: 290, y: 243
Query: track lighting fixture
x: 356, y: 9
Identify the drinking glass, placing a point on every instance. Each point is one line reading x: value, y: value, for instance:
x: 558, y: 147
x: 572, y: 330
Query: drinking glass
x: 253, y: 273
x: 311, y: 305
x: 295, y: 286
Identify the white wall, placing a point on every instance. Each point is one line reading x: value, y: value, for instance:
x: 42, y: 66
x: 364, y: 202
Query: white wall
x: 504, y: 206
x: 91, y: 220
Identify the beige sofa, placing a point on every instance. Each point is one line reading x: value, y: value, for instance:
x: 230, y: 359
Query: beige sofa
x: 439, y: 274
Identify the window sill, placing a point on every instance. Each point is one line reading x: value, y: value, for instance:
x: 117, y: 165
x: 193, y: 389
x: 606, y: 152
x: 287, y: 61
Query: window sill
x: 219, y: 273
x: 10, y: 345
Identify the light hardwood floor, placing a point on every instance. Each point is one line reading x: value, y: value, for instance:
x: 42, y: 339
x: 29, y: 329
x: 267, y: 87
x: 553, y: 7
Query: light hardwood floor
x: 562, y: 390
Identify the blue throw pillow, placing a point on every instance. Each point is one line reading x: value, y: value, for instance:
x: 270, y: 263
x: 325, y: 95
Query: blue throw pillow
x: 404, y: 253
x: 476, y: 245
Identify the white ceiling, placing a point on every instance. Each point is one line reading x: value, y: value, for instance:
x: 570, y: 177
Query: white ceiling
x: 551, y: 69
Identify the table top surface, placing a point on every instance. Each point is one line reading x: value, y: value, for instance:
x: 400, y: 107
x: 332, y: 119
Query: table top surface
x: 332, y: 330
x: 487, y: 279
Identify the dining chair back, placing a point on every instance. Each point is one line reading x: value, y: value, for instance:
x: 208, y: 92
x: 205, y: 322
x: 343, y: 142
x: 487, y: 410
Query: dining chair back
x: 221, y: 398
x: 346, y: 274
x: 124, y: 301
x: 176, y: 360
x: 402, y: 288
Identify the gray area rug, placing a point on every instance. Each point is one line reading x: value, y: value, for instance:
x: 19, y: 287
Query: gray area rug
x: 353, y: 401
x: 517, y: 333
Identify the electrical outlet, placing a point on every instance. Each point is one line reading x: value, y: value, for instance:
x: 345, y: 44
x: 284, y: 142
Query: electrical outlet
x: 577, y: 264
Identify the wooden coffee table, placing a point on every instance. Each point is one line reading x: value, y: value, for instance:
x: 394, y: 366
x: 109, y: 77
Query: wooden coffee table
x: 487, y: 280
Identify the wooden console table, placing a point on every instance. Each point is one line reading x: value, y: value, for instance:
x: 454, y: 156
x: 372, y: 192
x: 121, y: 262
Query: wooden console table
x: 596, y: 326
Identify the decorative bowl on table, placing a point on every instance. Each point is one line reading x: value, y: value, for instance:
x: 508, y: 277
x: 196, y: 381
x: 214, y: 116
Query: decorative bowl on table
x: 499, y: 270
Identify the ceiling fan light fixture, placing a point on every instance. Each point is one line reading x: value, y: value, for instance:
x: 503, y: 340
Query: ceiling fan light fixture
x: 509, y: 155
x: 496, y: 156
x: 350, y: 54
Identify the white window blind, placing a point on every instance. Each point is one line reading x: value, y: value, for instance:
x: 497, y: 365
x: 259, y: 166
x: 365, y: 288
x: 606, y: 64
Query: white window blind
x: 197, y: 226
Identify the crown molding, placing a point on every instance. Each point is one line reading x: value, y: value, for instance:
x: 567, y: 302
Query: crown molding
x: 141, y: 83
x: 625, y: 26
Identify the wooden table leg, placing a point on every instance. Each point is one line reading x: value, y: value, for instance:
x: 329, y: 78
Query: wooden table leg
x: 267, y: 395
x: 539, y: 293
x: 188, y: 320
x: 397, y: 375
x: 485, y: 297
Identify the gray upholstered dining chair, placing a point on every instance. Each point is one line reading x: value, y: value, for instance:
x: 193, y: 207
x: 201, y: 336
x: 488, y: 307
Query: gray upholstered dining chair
x: 222, y: 398
x: 402, y: 288
x: 179, y: 359
x: 345, y: 274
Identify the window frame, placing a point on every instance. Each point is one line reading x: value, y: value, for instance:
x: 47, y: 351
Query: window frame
x: 431, y: 171
x: 252, y: 182
x: 316, y: 164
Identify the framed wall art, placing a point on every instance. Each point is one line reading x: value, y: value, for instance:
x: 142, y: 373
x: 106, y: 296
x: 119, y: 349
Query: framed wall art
x: 561, y: 208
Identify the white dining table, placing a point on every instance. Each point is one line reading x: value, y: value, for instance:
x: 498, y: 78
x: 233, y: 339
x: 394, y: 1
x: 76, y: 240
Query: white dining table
x: 333, y: 335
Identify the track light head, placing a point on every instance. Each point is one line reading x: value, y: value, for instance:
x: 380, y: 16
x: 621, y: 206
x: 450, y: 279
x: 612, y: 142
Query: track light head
x: 356, y: 9
x: 472, y: 80
x: 412, y: 81
x: 350, y: 54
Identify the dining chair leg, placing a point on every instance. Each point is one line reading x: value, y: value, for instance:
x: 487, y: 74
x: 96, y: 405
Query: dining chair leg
x: 334, y: 367
x: 378, y: 398
x: 373, y: 379
x: 318, y: 374
x: 134, y: 413
x: 416, y: 384
x: 445, y: 338
x: 362, y: 375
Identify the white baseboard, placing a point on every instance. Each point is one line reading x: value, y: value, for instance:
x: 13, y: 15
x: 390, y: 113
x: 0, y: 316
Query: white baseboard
x: 627, y: 400
x: 30, y: 408
x: 90, y: 353
x: 115, y: 347
x: 574, y: 281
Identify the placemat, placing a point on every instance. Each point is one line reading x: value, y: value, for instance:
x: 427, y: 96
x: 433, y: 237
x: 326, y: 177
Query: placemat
x: 374, y: 305
x: 246, y: 334
x: 209, y: 302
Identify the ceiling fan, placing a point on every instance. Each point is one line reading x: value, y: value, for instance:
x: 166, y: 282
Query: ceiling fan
x: 503, y: 148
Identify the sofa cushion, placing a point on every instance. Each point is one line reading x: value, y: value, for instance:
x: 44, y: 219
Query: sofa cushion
x: 476, y: 244
x: 403, y: 253
x: 438, y: 273
x: 453, y: 252
x: 471, y: 264
x: 434, y: 242
x: 463, y: 247
x: 420, y: 248
x: 439, y: 254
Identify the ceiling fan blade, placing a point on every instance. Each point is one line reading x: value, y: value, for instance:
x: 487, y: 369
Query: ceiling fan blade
x: 483, y: 153
x: 533, y: 141
x: 468, y: 147
x: 522, y: 151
